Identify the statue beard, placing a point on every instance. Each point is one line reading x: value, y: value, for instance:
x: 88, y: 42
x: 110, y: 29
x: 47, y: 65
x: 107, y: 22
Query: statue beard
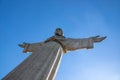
x: 58, y: 34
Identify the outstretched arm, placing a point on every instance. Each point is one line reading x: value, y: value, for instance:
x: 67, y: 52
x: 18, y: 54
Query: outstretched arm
x: 75, y: 44
x: 30, y: 47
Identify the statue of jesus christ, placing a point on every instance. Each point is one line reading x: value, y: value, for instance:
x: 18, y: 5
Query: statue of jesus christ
x: 44, y: 61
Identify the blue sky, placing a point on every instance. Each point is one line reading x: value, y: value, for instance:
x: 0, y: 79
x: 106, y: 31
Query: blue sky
x: 35, y: 20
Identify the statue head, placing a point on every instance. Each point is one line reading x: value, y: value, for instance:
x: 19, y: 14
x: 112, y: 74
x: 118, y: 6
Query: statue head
x: 59, y: 32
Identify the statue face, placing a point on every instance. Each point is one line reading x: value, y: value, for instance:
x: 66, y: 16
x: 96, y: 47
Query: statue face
x: 59, y: 32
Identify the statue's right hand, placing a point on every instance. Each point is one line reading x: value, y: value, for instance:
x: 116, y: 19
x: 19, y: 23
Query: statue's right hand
x: 23, y: 45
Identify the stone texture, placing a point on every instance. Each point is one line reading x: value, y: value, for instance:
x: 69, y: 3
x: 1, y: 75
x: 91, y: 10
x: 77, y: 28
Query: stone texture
x: 44, y: 61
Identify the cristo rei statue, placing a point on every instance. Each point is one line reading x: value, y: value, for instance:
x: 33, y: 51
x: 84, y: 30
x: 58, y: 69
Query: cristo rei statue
x: 44, y: 61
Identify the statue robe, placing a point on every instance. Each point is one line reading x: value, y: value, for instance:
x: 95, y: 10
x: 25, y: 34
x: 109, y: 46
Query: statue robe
x: 44, y: 61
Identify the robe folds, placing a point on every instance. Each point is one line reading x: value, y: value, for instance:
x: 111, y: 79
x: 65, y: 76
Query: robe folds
x: 44, y: 61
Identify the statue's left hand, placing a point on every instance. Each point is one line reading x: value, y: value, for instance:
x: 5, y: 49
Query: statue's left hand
x: 98, y: 38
